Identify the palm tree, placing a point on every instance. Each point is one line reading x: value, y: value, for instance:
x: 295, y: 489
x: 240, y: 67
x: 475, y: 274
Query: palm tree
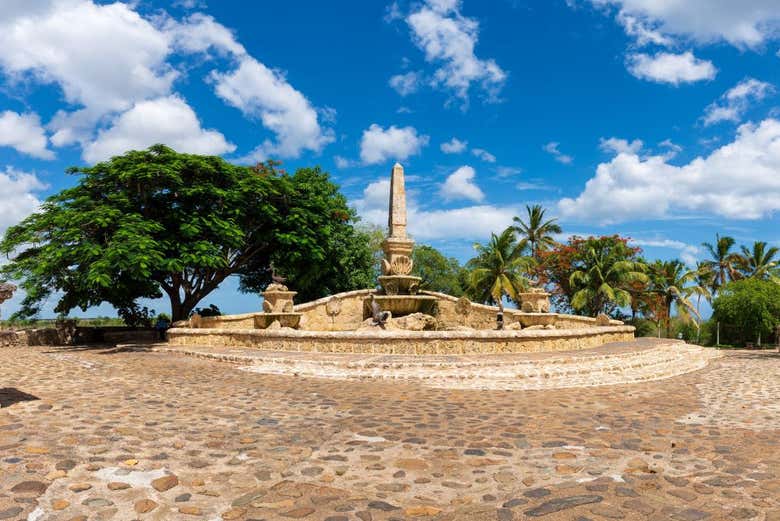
x: 724, y: 263
x: 498, y: 269
x: 536, y: 232
x: 673, y: 281
x: 760, y: 261
x: 603, y: 278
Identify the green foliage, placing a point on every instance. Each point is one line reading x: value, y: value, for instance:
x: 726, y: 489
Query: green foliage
x: 134, y: 315
x: 156, y: 221
x: 594, y: 275
x: 498, y: 269
x: 746, y: 309
x: 439, y: 273
x: 724, y: 263
x: 674, y: 284
x: 536, y: 233
x: 760, y: 261
x: 316, y: 246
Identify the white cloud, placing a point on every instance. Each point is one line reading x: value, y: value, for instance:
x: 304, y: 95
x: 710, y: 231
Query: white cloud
x: 405, y: 84
x: 747, y: 23
x: 454, y: 146
x: 17, y: 196
x: 664, y: 67
x: 642, y: 31
x: 740, y: 180
x: 736, y: 101
x: 167, y: 120
x: 508, y: 171
x: 199, y: 33
x: 378, y: 145
x: 620, y: 146
x: 448, y: 39
x: 672, y: 149
x: 343, y: 162
x: 466, y: 223
x: 460, y: 185
x: 104, y: 57
x: 484, y: 155
x: 258, y: 91
x: 552, y: 148
x: 688, y: 252
x: 24, y: 133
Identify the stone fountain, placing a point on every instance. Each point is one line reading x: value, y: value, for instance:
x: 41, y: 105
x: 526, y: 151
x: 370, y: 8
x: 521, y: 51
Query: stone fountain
x: 399, y: 293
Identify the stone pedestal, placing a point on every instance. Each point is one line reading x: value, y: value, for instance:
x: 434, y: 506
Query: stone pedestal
x: 535, y: 301
x: 278, y: 307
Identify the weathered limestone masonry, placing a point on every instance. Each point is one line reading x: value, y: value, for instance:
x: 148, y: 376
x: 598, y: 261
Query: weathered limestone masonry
x: 344, y: 312
x: 405, y: 342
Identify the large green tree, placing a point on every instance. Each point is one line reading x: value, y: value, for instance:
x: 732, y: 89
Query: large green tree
x: 747, y: 310
x: 156, y: 222
x: 498, y: 269
x: 595, y: 275
x: 439, y: 273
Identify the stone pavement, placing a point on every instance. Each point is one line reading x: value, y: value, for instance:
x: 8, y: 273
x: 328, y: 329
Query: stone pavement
x: 98, y: 434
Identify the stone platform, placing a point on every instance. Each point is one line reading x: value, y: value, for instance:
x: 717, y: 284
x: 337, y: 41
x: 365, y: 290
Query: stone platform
x: 404, y: 342
x: 611, y: 364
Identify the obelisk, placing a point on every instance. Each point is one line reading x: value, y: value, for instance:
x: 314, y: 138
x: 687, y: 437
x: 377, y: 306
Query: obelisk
x: 396, y: 215
x: 397, y: 246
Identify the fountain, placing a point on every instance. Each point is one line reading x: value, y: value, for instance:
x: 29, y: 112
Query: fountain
x: 422, y: 322
x: 399, y: 293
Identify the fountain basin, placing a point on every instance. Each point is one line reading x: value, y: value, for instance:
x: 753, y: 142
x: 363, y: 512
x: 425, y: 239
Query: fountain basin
x: 263, y: 320
x: 537, y: 319
x: 400, y: 305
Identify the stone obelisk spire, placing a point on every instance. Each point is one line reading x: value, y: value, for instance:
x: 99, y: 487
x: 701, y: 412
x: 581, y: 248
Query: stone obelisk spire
x: 396, y: 218
x: 397, y: 246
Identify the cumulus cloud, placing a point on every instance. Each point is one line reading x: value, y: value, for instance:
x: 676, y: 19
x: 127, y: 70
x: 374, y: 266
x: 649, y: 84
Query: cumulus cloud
x: 552, y: 149
x: 405, y: 84
x: 465, y: 223
x: 664, y: 67
x: 736, y: 101
x: 378, y: 145
x: 620, y: 146
x: 107, y: 59
x: 448, y: 40
x: 24, y: 133
x: 260, y: 92
x: 748, y: 23
x: 460, y: 185
x: 740, y: 180
x: 167, y: 120
x: 484, y: 155
x: 17, y: 196
x: 454, y: 146
x: 104, y: 57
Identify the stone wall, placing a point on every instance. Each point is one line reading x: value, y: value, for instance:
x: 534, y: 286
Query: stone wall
x: 404, y: 342
x: 350, y: 316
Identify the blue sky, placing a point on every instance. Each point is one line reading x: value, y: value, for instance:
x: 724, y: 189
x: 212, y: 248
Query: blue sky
x: 655, y: 119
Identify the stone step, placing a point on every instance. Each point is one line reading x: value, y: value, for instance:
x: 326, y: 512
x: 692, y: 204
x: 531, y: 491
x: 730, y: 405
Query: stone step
x: 581, y: 368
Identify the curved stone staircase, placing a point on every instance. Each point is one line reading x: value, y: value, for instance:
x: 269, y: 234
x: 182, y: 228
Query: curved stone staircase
x: 612, y: 364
